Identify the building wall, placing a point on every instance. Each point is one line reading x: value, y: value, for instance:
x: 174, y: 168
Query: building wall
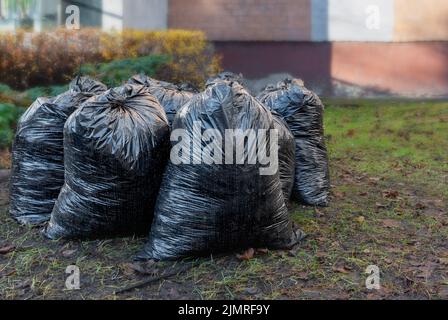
x: 388, y: 47
x: 421, y: 20
x: 244, y: 20
x: 113, y: 15
x: 339, y: 47
x: 316, y: 20
x: 145, y: 14
x: 413, y: 69
x: 352, y: 20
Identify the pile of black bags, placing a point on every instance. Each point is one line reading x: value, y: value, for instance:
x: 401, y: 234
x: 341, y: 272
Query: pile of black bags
x: 303, y: 112
x: 38, y: 152
x: 286, y: 156
x: 171, y: 97
x: 116, y: 148
x: 210, y: 207
x: 99, y: 164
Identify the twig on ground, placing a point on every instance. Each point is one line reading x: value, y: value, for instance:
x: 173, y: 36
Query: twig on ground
x: 151, y: 280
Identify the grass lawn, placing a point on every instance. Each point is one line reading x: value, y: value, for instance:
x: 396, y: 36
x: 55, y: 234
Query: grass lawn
x: 389, y: 208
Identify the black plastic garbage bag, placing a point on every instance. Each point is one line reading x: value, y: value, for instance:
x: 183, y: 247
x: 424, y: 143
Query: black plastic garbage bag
x: 208, y: 204
x: 286, y: 156
x: 116, y: 148
x: 38, y: 152
x: 303, y: 112
x: 171, y: 97
x: 226, y: 76
x: 286, y: 141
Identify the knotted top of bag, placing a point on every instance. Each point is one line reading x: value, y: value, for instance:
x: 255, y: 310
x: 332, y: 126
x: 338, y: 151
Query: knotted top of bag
x: 171, y: 96
x: 125, y: 122
x: 144, y: 80
x: 224, y: 105
x: 62, y: 106
x: 225, y: 76
x: 291, y: 92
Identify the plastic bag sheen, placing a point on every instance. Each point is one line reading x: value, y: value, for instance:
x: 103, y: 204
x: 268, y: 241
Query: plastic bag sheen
x: 116, y: 148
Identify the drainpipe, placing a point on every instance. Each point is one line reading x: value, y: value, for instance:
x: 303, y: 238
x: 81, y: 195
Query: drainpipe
x: 38, y: 16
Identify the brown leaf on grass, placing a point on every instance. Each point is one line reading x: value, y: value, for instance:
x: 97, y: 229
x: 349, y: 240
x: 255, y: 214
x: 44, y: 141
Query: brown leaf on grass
x: 303, y: 276
x: 341, y: 269
x: 338, y: 194
x: 391, y: 194
x: 247, y: 255
x: 351, y: 133
x: 420, y: 206
x: 443, y: 261
x: 363, y: 194
x: 146, y: 268
x: 262, y: 251
x: 389, y: 223
x: 374, y: 181
x: 7, y: 249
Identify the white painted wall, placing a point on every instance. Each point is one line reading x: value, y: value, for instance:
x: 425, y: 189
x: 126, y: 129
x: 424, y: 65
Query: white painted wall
x: 352, y: 20
x: 113, y: 16
x: 145, y: 14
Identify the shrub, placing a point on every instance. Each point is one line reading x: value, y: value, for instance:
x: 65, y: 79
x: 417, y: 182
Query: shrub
x: 32, y: 94
x: 117, y: 72
x: 41, y: 59
x: 9, y: 114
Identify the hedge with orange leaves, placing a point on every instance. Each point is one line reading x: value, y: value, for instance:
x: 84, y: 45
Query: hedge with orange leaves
x: 40, y: 59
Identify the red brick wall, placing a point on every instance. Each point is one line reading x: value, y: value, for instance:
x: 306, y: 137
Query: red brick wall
x: 418, y: 69
x: 394, y: 69
x: 244, y: 20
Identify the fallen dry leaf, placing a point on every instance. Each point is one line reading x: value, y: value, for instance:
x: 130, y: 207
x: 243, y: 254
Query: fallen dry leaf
x: 389, y: 223
x: 338, y: 194
x: 247, y: 255
x: 146, y: 268
x: 420, y: 206
x: 341, y: 269
x: 374, y: 180
x: 391, y: 194
x: 7, y: 249
x: 302, y: 276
